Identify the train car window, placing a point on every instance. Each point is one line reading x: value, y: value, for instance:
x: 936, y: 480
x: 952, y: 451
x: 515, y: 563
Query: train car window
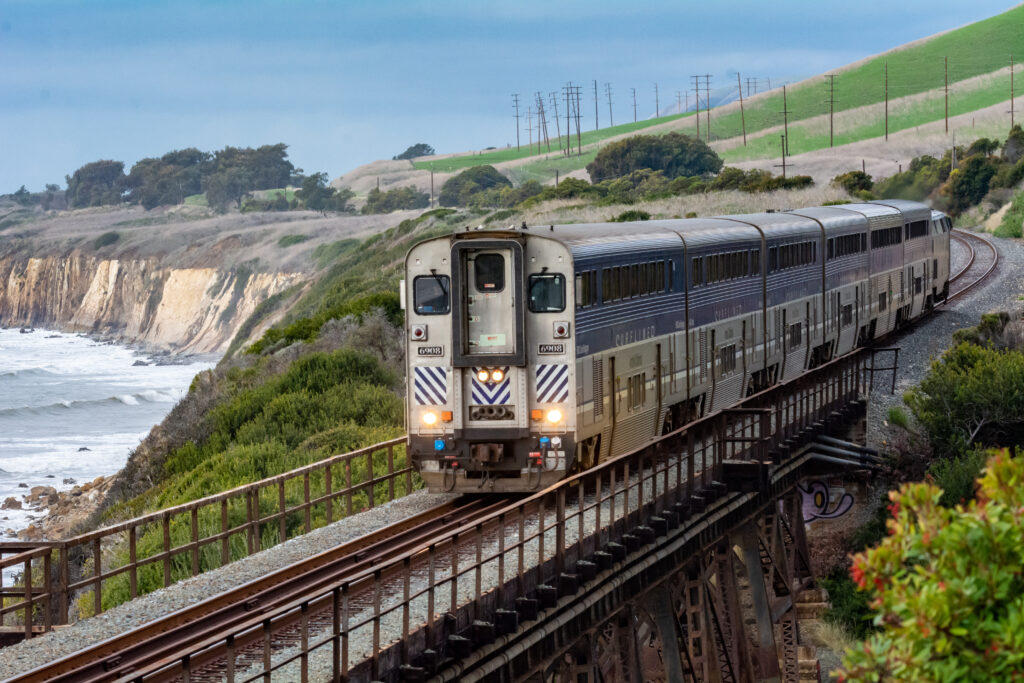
x: 489, y: 271
x: 917, y: 229
x: 607, y: 285
x: 547, y: 292
x: 831, y: 249
x: 625, y: 291
x: 430, y: 294
x: 847, y: 315
x: 634, y: 280
x: 659, y: 276
x: 755, y: 262
x: 935, y: 269
x: 886, y: 237
x: 881, y: 301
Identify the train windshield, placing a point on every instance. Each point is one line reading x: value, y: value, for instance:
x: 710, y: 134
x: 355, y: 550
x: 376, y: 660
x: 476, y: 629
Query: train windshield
x: 430, y: 294
x: 547, y: 293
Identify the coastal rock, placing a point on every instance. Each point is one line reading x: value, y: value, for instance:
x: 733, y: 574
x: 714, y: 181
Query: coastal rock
x: 11, y: 504
x: 10, y: 533
x: 32, y: 533
x: 38, y: 494
x: 67, y: 510
x: 69, y: 481
x: 23, y: 485
x: 82, y: 449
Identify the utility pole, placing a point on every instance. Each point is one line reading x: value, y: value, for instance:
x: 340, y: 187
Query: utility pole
x: 785, y: 125
x: 568, y: 120
x: 679, y: 101
x: 634, y: 104
x: 542, y: 122
x: 529, y: 126
x: 558, y: 123
x: 784, y: 143
x: 1011, y: 91
x: 579, y: 141
x: 945, y: 62
x: 831, y: 105
x: 515, y: 103
x: 686, y: 98
x: 596, y: 125
x: 707, y: 105
x: 887, y: 101
x: 657, y: 103
x: 696, y: 93
x: 431, y: 189
x: 743, y: 120
x: 608, y: 92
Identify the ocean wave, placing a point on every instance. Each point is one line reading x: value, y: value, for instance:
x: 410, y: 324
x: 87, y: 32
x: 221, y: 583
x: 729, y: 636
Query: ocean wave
x: 26, y: 372
x: 59, y: 408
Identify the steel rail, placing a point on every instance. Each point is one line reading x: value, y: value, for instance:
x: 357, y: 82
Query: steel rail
x: 120, y: 655
x: 985, y: 275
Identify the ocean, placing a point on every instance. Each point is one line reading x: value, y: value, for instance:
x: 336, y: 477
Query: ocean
x: 72, y: 408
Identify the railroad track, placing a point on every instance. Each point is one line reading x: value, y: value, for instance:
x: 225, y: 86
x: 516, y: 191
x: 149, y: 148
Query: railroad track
x: 979, y: 266
x: 163, y: 638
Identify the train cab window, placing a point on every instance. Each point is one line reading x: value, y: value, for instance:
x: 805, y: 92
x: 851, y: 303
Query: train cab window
x: 430, y: 294
x: 547, y: 293
x: 489, y: 271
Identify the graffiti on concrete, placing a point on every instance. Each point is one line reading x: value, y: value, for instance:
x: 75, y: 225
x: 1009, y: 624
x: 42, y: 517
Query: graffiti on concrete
x: 817, y: 501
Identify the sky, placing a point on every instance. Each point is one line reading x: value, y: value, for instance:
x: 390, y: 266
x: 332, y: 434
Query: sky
x: 347, y: 82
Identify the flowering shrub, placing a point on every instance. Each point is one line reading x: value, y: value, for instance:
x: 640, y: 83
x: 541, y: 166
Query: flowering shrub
x: 948, y: 585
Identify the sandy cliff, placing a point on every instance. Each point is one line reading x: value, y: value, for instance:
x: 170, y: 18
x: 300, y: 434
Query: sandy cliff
x: 181, y: 309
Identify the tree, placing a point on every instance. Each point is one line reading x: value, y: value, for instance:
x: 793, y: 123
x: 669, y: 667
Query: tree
x: 968, y: 184
x: 395, y: 200
x: 459, y: 190
x: 23, y: 196
x: 1013, y: 148
x: 317, y: 195
x: 948, y: 585
x: 854, y: 181
x: 226, y: 186
x: 972, y: 394
x: 675, y: 154
x: 420, y: 149
x: 95, y: 184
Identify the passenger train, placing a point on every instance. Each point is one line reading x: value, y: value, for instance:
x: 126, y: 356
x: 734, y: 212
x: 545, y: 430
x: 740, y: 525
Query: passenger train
x: 540, y: 351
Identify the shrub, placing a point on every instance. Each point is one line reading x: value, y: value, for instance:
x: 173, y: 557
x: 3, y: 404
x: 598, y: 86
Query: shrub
x: 898, y: 418
x: 1013, y: 219
x: 290, y: 240
x: 459, y: 190
x: 105, y: 240
x: 956, y: 477
x: 968, y: 184
x: 852, y: 181
x: 675, y: 154
x: 924, y: 174
x: 632, y: 215
x: 947, y: 585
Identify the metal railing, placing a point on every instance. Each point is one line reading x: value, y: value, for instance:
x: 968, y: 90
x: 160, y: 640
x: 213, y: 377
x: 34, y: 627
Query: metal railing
x: 136, y: 556
x: 468, y: 582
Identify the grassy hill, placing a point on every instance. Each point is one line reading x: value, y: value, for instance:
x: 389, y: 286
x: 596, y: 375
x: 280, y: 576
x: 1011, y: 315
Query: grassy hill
x: 975, y: 58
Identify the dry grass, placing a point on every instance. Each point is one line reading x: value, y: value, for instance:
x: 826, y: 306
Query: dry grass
x: 561, y: 211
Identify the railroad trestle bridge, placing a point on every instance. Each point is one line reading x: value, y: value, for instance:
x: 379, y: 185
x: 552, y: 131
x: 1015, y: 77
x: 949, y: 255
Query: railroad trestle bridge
x: 681, y: 561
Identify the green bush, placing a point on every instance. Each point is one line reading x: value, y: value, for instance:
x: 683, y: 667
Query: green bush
x: 898, y: 418
x: 631, y: 216
x: 460, y: 189
x: 395, y: 200
x: 852, y: 181
x: 105, y: 240
x: 848, y: 606
x: 675, y: 154
x: 956, y: 477
x: 291, y: 240
x: 1012, y: 224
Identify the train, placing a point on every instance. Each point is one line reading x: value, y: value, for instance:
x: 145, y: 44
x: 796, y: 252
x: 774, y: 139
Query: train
x: 538, y: 351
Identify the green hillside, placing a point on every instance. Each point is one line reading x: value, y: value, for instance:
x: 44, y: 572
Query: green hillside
x: 980, y: 48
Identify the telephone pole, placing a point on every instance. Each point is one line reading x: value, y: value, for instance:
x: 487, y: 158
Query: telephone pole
x: 529, y: 126
x: 831, y: 105
x: 515, y: 103
x: 634, y: 104
x: 696, y: 93
x: 707, y: 105
x: 785, y: 128
x: 558, y: 123
x: 608, y: 92
x: 596, y: 126
x: 743, y: 120
x: 657, y: 103
x: 1011, y: 91
x: 568, y: 120
x: 542, y: 121
x: 579, y: 141
x: 887, y: 101
x: 784, y: 143
x: 679, y: 101
x: 945, y: 62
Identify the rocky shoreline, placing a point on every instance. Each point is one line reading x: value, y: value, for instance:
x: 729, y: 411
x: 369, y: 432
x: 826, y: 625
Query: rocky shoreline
x: 62, y: 511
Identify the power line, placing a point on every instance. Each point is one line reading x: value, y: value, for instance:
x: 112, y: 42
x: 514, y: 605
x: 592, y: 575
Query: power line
x: 558, y: 123
x: 743, y: 119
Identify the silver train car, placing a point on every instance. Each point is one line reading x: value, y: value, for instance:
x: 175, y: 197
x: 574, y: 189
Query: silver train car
x: 541, y: 351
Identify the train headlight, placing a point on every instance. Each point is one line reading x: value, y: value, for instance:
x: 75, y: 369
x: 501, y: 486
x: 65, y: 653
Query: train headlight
x: 554, y: 416
x: 430, y: 418
x: 497, y: 376
x: 482, y: 375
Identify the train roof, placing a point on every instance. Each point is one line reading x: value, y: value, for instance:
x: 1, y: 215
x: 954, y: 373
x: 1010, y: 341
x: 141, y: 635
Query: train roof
x: 781, y: 225
x: 697, y: 232
x: 872, y: 210
x: 833, y: 217
x: 912, y: 211
x: 604, y: 239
